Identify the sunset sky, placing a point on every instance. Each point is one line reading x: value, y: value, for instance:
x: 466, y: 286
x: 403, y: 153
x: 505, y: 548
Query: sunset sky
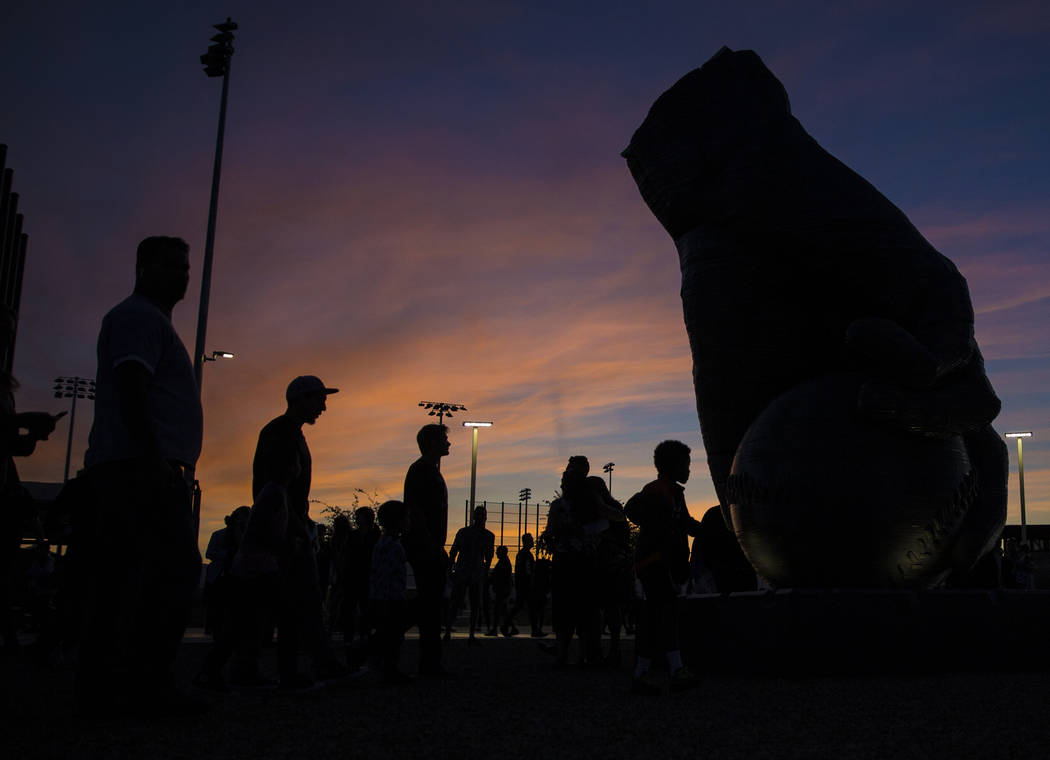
x: 426, y: 201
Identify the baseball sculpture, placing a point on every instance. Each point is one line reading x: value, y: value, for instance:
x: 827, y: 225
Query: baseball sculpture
x: 842, y: 397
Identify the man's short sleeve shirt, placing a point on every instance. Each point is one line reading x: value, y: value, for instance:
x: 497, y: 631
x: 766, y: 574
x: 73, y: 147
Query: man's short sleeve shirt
x: 281, y: 444
x: 137, y: 330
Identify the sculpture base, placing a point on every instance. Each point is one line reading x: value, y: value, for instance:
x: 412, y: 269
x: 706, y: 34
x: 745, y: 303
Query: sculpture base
x: 845, y: 631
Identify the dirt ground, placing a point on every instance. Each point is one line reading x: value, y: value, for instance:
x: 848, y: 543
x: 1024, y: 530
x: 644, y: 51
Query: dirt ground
x: 506, y: 701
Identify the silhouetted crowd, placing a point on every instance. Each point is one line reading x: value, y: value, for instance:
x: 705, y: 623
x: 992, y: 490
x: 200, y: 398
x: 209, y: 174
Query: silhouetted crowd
x: 592, y: 566
x: 121, y: 596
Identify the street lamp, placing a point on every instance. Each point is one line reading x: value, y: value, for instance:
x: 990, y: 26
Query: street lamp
x: 218, y: 355
x: 473, y: 462
x: 523, y: 496
x: 608, y: 468
x: 74, y: 388
x: 443, y: 409
x: 1020, y: 436
x: 216, y: 64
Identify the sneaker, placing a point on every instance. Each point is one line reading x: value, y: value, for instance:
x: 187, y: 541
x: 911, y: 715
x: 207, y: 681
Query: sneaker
x: 211, y: 682
x: 645, y: 685
x: 683, y: 680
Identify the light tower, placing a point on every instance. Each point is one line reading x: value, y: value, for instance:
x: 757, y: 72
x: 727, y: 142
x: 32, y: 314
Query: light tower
x: 74, y: 388
x: 216, y: 64
x: 523, y: 496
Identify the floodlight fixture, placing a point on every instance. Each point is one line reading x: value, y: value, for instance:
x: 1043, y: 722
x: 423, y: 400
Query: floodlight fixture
x: 441, y: 409
x: 216, y: 61
x: 218, y: 355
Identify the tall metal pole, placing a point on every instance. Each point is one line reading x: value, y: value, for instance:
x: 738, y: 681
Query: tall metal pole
x: 1020, y: 436
x: 69, y: 440
x: 209, y: 241
x: 1020, y: 480
x: 524, y: 495
x: 219, y: 62
x: 473, y: 468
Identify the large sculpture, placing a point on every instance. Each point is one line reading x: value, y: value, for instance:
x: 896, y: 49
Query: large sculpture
x: 842, y: 397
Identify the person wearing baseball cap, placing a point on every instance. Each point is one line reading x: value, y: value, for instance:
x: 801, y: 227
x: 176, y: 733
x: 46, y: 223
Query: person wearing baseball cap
x: 282, y: 448
x: 308, y: 385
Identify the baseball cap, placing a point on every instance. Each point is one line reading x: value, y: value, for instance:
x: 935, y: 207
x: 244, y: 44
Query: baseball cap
x: 304, y: 385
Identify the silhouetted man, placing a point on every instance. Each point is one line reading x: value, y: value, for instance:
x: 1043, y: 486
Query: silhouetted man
x: 471, y: 556
x: 524, y: 570
x: 662, y: 564
x: 135, y: 538
x: 282, y: 445
x: 426, y: 497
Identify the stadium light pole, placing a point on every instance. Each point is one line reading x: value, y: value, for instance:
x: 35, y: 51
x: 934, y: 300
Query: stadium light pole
x: 608, y: 468
x: 74, y: 388
x: 1020, y: 436
x: 473, y: 462
x: 523, y: 496
x: 216, y: 64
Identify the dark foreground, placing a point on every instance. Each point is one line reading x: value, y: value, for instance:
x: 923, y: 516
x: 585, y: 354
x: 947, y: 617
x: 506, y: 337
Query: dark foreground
x: 507, y: 702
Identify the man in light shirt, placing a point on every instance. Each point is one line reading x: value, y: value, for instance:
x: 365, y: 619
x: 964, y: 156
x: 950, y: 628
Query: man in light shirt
x: 135, y: 537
